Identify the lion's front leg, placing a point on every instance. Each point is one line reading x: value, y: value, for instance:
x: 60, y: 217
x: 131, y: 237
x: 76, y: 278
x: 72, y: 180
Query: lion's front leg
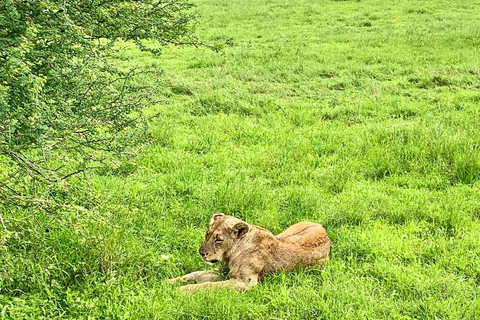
x: 236, y: 284
x: 198, y: 277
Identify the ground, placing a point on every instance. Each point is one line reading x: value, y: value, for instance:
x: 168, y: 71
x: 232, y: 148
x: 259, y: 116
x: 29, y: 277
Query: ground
x: 363, y: 116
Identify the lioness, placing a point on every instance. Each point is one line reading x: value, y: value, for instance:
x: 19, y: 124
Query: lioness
x: 251, y: 251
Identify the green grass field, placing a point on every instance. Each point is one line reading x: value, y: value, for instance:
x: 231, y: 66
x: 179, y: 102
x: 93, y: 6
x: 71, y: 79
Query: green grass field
x: 363, y: 116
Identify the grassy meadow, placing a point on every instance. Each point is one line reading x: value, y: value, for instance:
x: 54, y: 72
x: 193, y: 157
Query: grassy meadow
x: 363, y: 116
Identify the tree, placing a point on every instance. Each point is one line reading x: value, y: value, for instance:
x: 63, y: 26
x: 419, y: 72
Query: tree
x: 65, y: 107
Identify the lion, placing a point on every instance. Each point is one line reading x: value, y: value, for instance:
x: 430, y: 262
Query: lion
x: 250, y: 252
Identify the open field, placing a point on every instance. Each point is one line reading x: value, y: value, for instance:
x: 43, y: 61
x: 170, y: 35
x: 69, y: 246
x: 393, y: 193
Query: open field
x: 363, y: 116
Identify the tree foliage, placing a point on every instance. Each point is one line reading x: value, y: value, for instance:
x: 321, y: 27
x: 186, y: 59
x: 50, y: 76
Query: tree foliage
x: 64, y: 106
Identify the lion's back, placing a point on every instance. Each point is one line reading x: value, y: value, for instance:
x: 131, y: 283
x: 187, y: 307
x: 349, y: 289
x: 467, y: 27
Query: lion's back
x: 305, y: 234
x: 301, y: 245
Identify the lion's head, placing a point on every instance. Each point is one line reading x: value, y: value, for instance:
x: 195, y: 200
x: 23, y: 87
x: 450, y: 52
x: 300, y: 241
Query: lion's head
x: 223, y: 233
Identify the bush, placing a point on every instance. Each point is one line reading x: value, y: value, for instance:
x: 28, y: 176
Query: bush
x: 66, y: 108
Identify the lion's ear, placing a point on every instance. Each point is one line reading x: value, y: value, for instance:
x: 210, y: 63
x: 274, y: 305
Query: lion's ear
x: 215, y: 217
x: 240, y: 229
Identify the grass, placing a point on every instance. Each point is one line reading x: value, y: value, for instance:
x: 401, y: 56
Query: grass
x: 360, y: 115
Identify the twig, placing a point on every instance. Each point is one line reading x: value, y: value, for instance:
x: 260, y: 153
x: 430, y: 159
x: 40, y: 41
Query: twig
x: 41, y: 203
x: 3, y: 185
x: 27, y: 165
x: 72, y: 173
x: 3, y: 224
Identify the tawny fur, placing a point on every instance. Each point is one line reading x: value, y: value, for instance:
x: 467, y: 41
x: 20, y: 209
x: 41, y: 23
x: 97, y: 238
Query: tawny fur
x: 250, y: 252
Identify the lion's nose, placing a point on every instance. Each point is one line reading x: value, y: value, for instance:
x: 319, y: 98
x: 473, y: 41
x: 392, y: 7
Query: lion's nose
x: 202, y: 253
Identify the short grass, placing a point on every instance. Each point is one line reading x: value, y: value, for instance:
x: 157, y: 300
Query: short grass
x: 360, y: 115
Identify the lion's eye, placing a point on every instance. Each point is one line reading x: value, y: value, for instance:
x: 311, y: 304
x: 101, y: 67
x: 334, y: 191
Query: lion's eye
x: 218, y: 240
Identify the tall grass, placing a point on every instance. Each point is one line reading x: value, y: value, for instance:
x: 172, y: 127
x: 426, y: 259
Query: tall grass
x: 360, y: 115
